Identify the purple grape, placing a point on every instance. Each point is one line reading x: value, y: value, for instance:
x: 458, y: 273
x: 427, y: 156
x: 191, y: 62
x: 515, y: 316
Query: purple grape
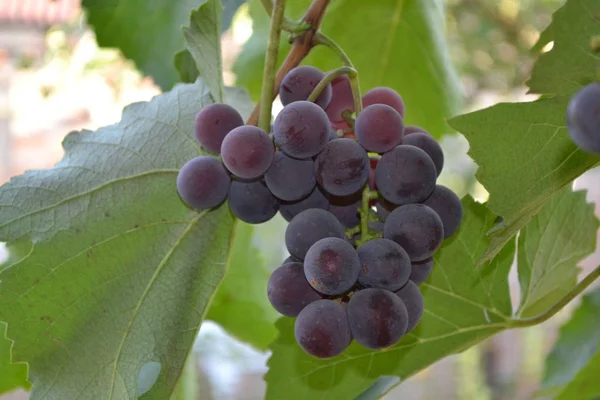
x: 429, y: 145
x: 301, y: 129
x: 342, y: 168
x: 384, y: 95
x: 341, y: 100
x: 331, y: 266
x: 417, y: 228
x: 421, y: 270
x: 413, y: 301
x: 346, y: 208
x: 252, y: 202
x: 583, y: 118
x: 213, y: 122
x: 322, y: 330
x: 409, y: 129
x: 447, y: 205
x: 290, y: 179
x: 203, y: 183
x: 308, y: 227
x: 316, y: 199
x: 292, y: 259
x: 379, y: 128
x: 288, y: 291
x: 384, y: 265
x: 247, y: 152
x: 377, y: 318
x: 299, y: 83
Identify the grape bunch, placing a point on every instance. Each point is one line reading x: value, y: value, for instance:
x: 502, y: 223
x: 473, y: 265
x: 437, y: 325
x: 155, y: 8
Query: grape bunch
x: 359, y: 191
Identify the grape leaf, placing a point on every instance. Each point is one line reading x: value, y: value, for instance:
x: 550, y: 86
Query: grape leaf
x: 386, y: 31
x: 585, y: 384
x: 550, y: 246
x: 119, y: 271
x: 12, y: 376
x: 533, y: 156
x: 463, y: 306
x: 146, y: 31
x: 576, y: 353
x: 186, y: 65
x: 203, y: 41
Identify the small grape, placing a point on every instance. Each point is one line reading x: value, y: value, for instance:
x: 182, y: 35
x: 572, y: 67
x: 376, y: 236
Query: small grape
x: 421, y: 270
x: 322, y: 330
x: 345, y: 209
x: 291, y: 259
x: 384, y: 265
x: 299, y: 83
x: 384, y: 208
x: 331, y: 266
x: 316, y: 199
x: 583, y: 118
x: 308, y: 227
x: 247, y: 152
x: 377, y: 318
x: 379, y: 128
x: 288, y: 291
x: 301, y: 129
x: 333, y: 134
x: 213, y: 122
x: 412, y: 129
x: 384, y: 95
x: 405, y: 175
x: 413, y: 301
x: 447, y: 205
x: 252, y: 202
x: 203, y: 183
x: 341, y: 100
x: 290, y: 179
x: 342, y: 168
x: 417, y: 228
x: 429, y: 145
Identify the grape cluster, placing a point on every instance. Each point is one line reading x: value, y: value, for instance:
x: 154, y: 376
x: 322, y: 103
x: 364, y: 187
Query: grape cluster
x: 359, y: 192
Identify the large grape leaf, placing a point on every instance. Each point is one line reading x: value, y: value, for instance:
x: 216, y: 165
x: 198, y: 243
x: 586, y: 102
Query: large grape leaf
x: 463, y: 306
x: 572, y: 366
x: 550, y: 246
x: 392, y: 43
x: 12, y: 376
x: 532, y: 156
x: 119, y: 271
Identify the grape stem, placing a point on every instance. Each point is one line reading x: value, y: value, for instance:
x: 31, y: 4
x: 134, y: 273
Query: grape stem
x: 293, y: 27
x: 331, y: 75
x: 270, y: 65
x: 367, y: 196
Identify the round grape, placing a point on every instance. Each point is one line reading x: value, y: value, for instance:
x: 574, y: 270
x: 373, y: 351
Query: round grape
x: 342, y: 168
x: 341, y: 100
x: 288, y: 291
x: 301, y: 129
x: 384, y: 265
x: 290, y: 179
x: 583, y: 118
x: 213, y: 122
x: 377, y: 318
x: 345, y: 209
x: 247, y: 152
x: 322, y: 330
x: 316, y: 199
x: 203, y: 182
x: 412, y: 129
x: 447, y: 205
x: 405, y: 175
x: 331, y: 266
x: 292, y: 259
x: 299, y: 83
x: 308, y: 227
x: 417, y: 228
x: 384, y: 95
x: 421, y: 270
x: 413, y: 301
x: 252, y: 202
x: 379, y: 128
x: 429, y: 145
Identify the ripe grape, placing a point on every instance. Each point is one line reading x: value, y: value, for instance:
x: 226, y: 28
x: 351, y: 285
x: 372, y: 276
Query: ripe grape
x: 316, y: 199
x: 341, y: 100
x: 203, y: 183
x: 421, y: 270
x: 384, y: 265
x: 301, y: 129
x: 377, y: 318
x: 345, y: 208
x: 413, y: 301
x: 331, y: 266
x: 384, y: 208
x: 291, y: 259
x: 447, y: 205
x: 429, y: 145
x: 379, y: 128
x: 290, y: 179
x: 583, y: 118
x: 412, y: 129
x: 213, y: 122
x: 417, y: 228
x: 299, y: 83
x: 405, y: 175
x: 333, y: 134
x: 322, y: 330
x: 288, y: 291
x: 342, y: 168
x: 247, y: 152
x: 384, y: 95
x: 252, y: 202
x: 308, y: 227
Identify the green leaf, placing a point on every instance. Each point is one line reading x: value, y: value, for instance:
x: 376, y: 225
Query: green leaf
x: 532, y: 156
x: 12, y: 376
x: 185, y: 64
x: 146, y: 31
x: 120, y: 271
x: 550, y: 246
x: 463, y: 306
x: 395, y: 43
x: 585, y: 384
x: 203, y: 41
x: 576, y: 354
x: 188, y: 387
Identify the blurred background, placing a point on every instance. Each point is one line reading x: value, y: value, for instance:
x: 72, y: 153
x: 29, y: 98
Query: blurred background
x: 55, y: 79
